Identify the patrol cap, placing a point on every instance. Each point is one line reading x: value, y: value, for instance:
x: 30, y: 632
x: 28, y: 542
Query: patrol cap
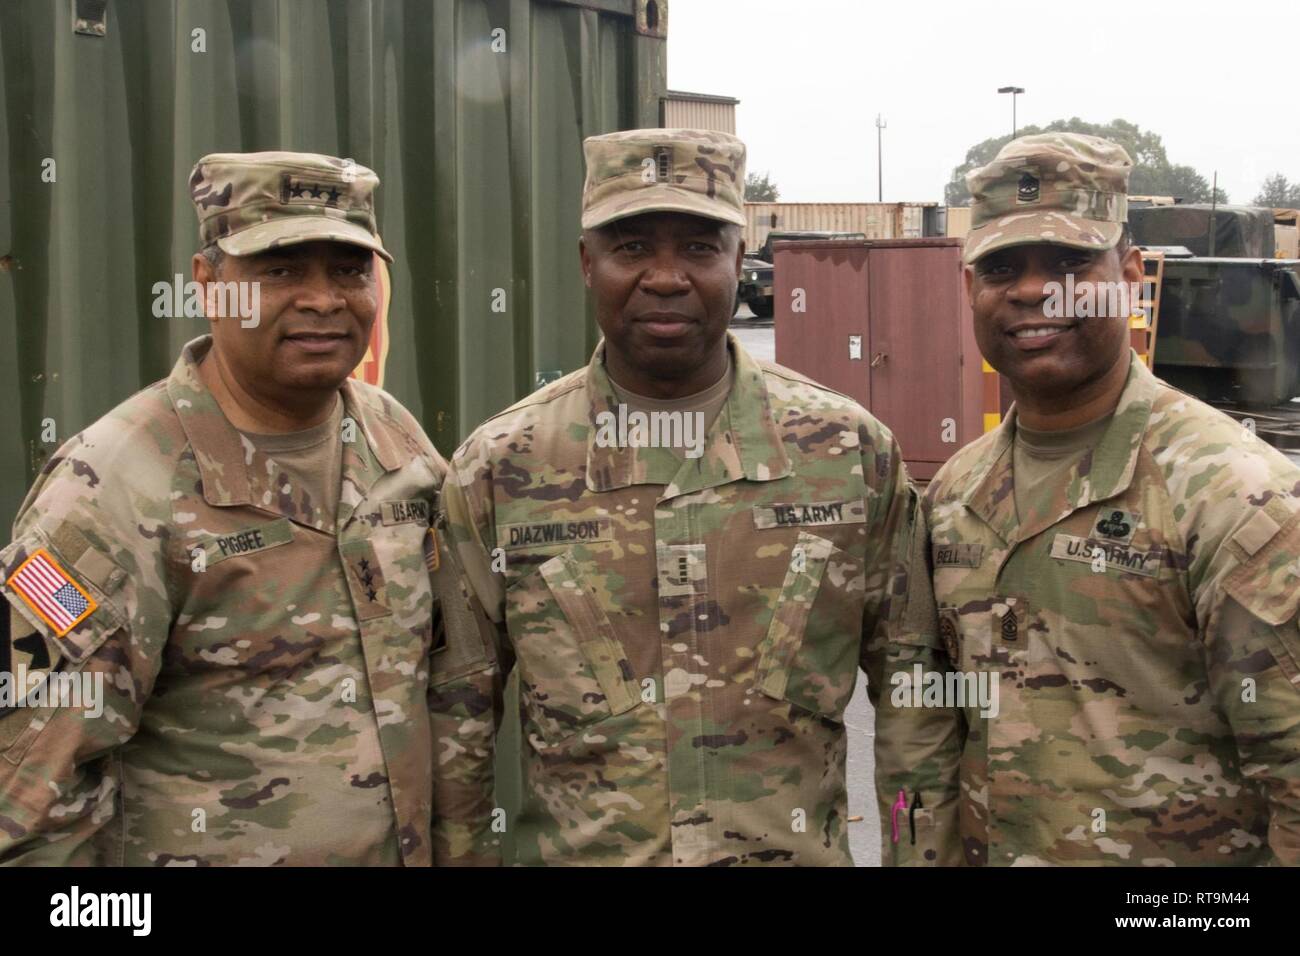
x: 1065, y: 188
x: 695, y: 171
x: 251, y: 202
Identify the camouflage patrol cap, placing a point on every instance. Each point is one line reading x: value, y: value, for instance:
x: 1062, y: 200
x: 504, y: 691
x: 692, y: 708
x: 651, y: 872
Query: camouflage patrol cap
x: 251, y: 202
x: 1064, y: 188
x: 693, y: 171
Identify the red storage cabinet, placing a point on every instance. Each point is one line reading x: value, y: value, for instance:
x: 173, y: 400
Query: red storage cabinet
x: 886, y: 322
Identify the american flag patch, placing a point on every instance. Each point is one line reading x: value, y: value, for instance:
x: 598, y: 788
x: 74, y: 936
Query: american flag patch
x: 51, y: 593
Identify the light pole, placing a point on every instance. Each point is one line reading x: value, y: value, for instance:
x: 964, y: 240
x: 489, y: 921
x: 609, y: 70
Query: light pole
x: 880, y: 169
x: 1013, y: 90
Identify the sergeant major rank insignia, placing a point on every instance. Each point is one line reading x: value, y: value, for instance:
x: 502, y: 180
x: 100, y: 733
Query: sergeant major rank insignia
x: 1027, y: 190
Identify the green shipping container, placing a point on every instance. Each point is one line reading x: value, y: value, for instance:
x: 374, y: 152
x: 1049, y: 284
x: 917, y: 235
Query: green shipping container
x: 472, y: 112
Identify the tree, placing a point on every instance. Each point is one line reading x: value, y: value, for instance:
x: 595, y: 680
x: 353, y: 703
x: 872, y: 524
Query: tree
x: 760, y: 188
x: 1279, y: 193
x: 1152, y: 175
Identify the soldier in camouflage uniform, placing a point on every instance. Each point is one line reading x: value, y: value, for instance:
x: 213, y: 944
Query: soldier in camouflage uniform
x: 686, y: 629
x: 241, y: 554
x: 1122, y: 557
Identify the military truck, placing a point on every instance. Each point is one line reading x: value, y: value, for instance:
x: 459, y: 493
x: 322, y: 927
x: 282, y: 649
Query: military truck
x: 756, y: 279
x: 1229, y: 325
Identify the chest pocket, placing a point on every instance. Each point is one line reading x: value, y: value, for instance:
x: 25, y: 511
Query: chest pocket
x: 809, y: 656
x: 572, y: 669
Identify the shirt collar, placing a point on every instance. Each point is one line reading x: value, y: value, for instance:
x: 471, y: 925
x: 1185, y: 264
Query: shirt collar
x: 743, y: 441
x: 1107, y: 470
x: 233, y: 472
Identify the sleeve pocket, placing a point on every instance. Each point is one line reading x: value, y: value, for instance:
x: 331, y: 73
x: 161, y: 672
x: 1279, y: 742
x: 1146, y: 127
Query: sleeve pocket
x: 63, y: 594
x: 1268, y: 587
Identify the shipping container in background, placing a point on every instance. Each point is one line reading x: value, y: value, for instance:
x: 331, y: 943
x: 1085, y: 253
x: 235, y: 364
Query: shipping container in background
x: 887, y: 323
x: 889, y: 220
x: 957, y: 222
x: 472, y: 112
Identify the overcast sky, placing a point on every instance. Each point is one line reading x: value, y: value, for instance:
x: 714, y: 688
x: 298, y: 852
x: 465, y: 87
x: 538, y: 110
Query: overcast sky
x: 1217, y: 81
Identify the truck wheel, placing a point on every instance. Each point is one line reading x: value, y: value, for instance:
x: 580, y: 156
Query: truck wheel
x: 761, y: 307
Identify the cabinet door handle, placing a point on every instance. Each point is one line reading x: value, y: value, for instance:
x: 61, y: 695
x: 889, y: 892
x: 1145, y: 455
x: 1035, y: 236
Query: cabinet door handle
x: 879, y: 360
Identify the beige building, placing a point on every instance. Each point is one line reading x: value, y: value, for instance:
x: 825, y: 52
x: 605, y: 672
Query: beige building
x: 678, y: 110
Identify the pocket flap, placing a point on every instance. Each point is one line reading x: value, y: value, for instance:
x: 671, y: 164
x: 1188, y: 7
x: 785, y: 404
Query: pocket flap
x: 602, y: 651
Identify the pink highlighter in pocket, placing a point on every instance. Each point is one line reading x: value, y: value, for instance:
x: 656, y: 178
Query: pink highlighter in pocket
x: 899, y: 804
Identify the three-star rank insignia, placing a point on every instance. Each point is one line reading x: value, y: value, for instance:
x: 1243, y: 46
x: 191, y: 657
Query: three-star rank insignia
x: 365, y: 580
x: 299, y: 190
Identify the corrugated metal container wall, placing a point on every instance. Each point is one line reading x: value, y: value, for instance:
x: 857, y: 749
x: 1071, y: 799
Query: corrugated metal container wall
x: 890, y: 220
x: 692, y: 114
x: 479, y: 153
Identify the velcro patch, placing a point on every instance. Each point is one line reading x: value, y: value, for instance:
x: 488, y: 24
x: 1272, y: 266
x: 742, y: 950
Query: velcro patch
x: 683, y: 569
x: 248, y: 541
x: 957, y: 555
x: 51, y: 592
x: 408, y: 511
x: 783, y: 515
x: 1117, y: 557
x: 1256, y: 532
x: 530, y: 535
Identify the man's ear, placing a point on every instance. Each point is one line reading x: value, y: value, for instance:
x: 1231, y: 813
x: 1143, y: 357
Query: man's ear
x: 584, y: 256
x: 1131, y: 265
x: 203, y: 273
x: 740, y: 257
x: 201, y: 269
x: 967, y: 277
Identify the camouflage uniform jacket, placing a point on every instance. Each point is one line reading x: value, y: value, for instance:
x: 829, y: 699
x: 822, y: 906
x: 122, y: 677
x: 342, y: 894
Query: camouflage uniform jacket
x: 1142, y: 620
x: 266, y: 681
x: 686, y: 631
